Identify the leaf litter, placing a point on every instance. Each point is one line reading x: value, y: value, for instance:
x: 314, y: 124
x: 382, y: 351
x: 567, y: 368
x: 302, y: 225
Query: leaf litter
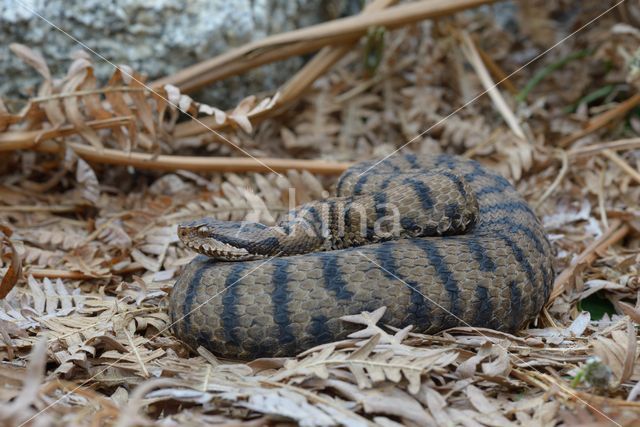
x: 90, y: 253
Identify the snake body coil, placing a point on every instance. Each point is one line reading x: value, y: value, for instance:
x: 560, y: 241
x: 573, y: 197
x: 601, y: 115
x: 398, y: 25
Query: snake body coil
x: 468, y: 251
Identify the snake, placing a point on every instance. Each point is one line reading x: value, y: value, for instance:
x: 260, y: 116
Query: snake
x: 440, y: 241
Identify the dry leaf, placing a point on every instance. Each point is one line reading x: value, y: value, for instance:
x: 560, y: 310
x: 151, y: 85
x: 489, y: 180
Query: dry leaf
x: 33, y: 58
x: 13, y: 273
x: 86, y: 177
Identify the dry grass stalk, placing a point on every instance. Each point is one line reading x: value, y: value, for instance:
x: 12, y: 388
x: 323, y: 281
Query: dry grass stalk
x: 199, y: 163
x: 172, y: 163
x: 602, y: 120
x: 470, y: 51
x: 295, y: 86
x: 564, y: 158
x: 280, y: 46
x: 41, y: 273
x: 497, y: 72
x: 587, y: 150
x: 615, y: 158
x: 43, y: 208
x: 28, y: 139
x: 616, y: 231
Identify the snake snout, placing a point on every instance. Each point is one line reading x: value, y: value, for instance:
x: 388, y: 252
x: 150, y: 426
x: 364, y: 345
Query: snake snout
x: 222, y: 240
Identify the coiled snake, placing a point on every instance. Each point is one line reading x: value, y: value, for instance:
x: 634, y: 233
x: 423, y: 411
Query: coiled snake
x: 440, y: 241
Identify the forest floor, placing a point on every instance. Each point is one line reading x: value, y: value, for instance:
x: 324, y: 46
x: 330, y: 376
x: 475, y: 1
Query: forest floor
x: 95, y: 176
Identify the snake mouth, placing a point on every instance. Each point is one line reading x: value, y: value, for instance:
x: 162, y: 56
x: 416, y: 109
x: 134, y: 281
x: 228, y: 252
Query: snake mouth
x: 203, y: 239
x: 220, y: 250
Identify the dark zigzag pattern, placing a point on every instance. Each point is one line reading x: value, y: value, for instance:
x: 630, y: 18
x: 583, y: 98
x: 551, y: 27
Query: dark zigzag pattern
x: 230, y: 302
x: 280, y: 298
x: 419, y: 309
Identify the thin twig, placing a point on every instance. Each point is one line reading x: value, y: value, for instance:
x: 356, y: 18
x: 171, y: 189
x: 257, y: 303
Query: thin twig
x: 621, y: 144
x: 134, y: 348
x: 556, y: 182
x: 602, y: 120
x: 613, y: 234
x: 601, y: 199
x: 615, y: 158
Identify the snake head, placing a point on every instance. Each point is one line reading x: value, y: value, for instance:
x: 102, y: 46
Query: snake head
x: 224, y: 240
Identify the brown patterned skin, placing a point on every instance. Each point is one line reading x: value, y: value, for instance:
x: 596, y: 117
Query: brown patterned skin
x: 388, y: 206
x: 497, y: 274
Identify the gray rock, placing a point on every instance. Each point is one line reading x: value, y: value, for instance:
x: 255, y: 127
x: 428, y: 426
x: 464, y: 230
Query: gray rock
x: 155, y: 37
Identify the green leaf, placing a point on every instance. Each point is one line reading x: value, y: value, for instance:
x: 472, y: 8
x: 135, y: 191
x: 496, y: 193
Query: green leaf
x: 547, y: 70
x: 597, y: 305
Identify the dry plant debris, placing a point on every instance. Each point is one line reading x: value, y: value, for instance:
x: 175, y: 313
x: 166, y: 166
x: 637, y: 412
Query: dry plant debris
x: 90, y: 253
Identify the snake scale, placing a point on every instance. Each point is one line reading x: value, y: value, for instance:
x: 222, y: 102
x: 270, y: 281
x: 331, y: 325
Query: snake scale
x: 466, y: 249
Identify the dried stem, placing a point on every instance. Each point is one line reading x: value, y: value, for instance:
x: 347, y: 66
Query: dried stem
x: 32, y: 139
x: 197, y: 163
x: 614, y: 233
x: 41, y: 208
x: 469, y: 50
x: 621, y: 144
x: 292, y: 89
x: 41, y: 273
x: 602, y: 120
x: 615, y: 158
x: 556, y: 182
x: 23, y: 140
x: 280, y: 46
x: 495, y: 70
x: 87, y: 92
